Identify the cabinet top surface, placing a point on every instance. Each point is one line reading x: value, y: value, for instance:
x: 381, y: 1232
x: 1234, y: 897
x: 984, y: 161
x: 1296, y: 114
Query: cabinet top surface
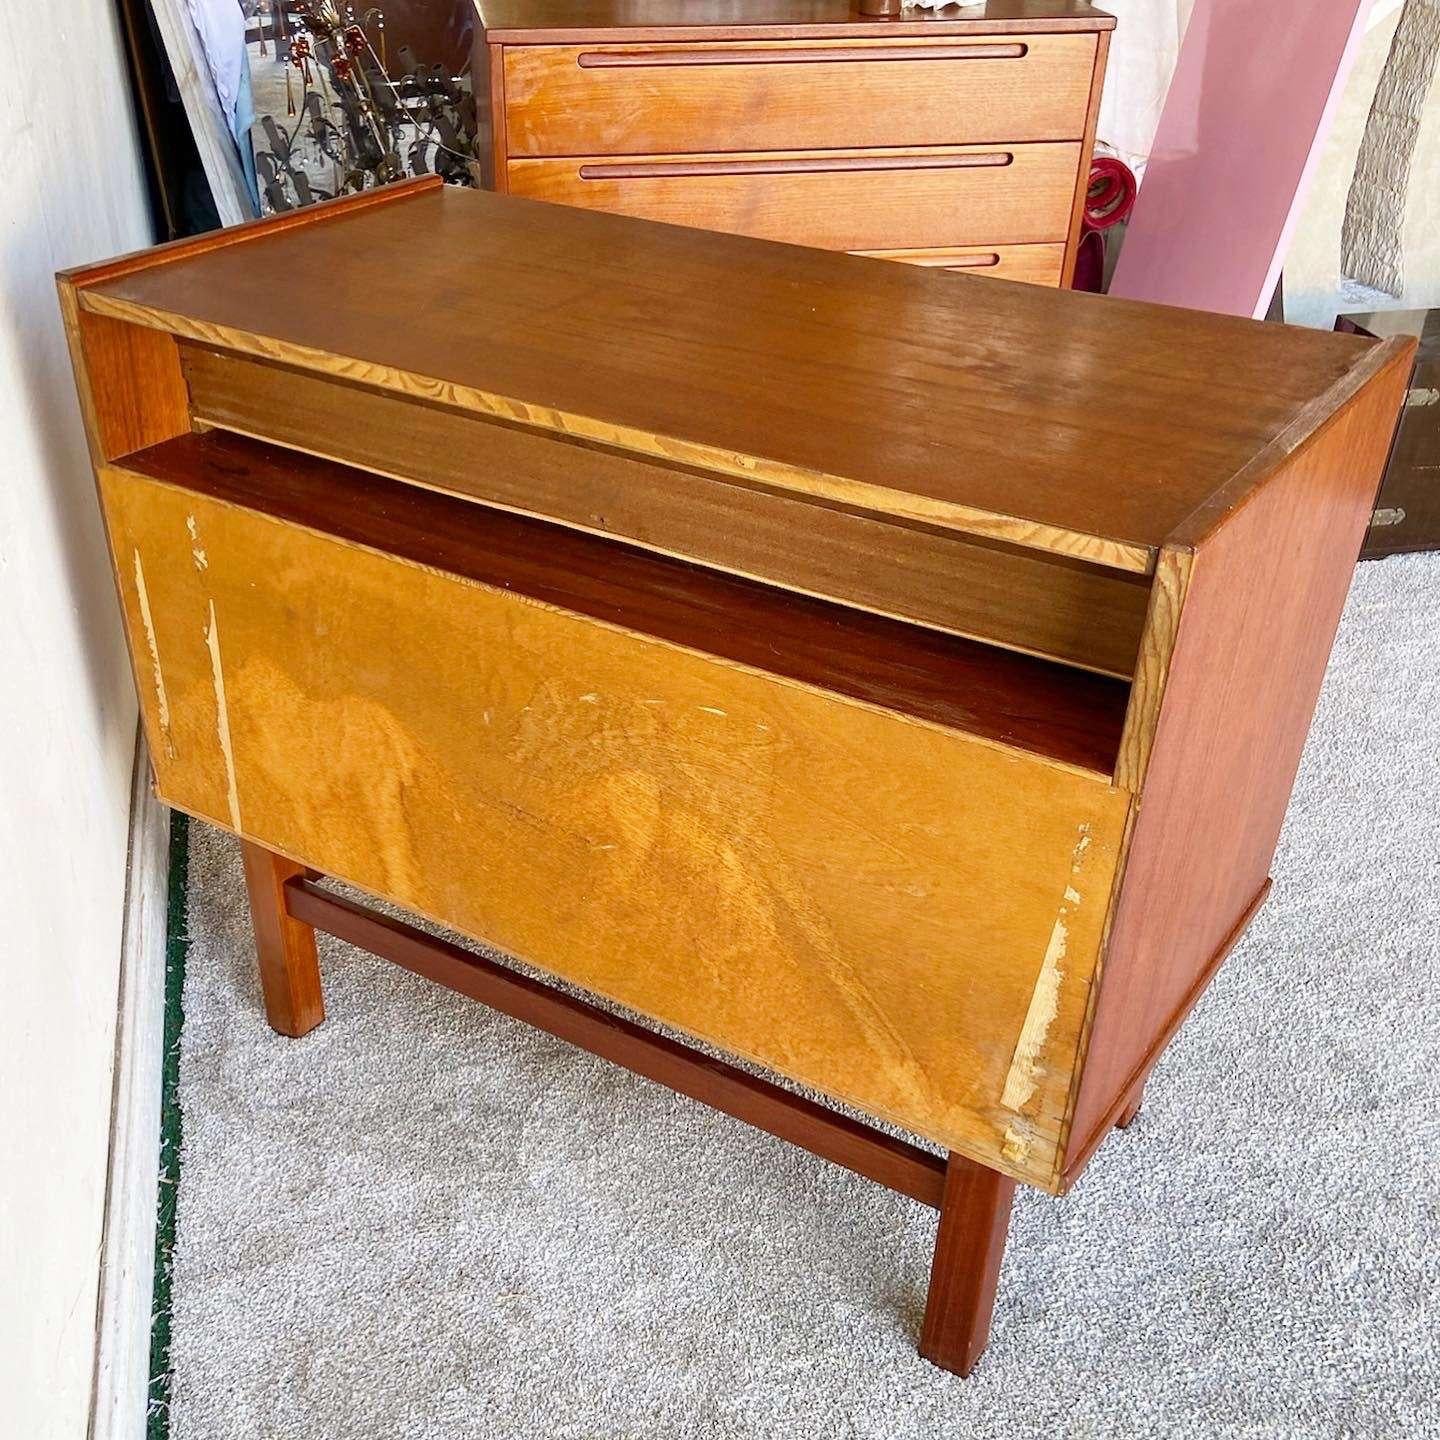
x: 933, y: 397
x: 532, y: 21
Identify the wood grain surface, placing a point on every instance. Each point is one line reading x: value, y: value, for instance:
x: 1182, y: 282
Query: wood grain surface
x: 1072, y: 423
x: 284, y: 946
x: 1012, y: 700
x: 762, y: 95
x: 1031, y: 264
x: 128, y: 380
x: 1044, y: 605
x: 901, y: 914
x: 838, y: 199
x: 1265, y: 590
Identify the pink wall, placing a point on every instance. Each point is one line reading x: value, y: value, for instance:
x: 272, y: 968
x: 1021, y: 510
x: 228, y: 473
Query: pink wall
x: 1243, y: 124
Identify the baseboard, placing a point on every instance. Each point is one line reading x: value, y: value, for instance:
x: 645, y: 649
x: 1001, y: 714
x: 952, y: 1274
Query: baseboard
x: 127, y: 1269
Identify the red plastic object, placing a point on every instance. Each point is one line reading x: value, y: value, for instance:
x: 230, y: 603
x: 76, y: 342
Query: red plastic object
x: 1109, y: 199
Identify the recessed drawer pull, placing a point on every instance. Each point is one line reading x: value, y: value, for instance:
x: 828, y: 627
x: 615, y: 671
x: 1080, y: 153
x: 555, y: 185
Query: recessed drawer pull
x: 972, y: 262
x: 811, y: 165
x: 813, y: 55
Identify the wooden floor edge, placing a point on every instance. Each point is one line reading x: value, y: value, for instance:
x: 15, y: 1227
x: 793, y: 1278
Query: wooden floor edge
x: 885, y: 1159
x: 863, y: 496
x: 1086, y: 1152
x: 1318, y: 416
x: 170, y: 251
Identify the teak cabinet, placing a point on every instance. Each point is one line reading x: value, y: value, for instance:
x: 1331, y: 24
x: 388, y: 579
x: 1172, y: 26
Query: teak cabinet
x: 951, y: 140
x: 744, y: 633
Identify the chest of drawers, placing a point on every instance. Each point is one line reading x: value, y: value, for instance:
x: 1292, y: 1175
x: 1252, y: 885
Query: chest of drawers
x: 744, y: 634
x: 958, y: 140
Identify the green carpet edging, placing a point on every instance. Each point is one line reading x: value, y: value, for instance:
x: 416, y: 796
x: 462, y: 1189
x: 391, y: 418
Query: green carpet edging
x: 177, y: 946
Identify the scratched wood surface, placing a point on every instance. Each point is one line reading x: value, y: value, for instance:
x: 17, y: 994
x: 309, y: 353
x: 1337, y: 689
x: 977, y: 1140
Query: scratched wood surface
x: 1072, y: 718
x: 898, y: 913
x: 1070, y: 423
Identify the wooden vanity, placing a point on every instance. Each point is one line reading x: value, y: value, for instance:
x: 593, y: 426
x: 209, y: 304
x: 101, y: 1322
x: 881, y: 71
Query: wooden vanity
x: 895, y: 681
x: 955, y: 139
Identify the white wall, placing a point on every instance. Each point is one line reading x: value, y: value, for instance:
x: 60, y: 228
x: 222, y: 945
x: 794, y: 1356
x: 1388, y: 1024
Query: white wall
x: 71, y: 190
x: 1315, y: 289
x: 1143, y: 49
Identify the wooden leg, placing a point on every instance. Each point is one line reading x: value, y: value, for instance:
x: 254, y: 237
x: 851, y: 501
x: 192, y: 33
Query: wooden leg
x: 1133, y: 1103
x: 289, y: 967
x: 974, y: 1219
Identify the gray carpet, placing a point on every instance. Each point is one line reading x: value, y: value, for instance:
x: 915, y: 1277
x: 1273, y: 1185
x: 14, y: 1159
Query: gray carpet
x: 426, y: 1221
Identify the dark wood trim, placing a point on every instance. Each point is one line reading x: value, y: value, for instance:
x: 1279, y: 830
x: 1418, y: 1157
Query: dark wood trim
x: 285, y: 945
x: 499, y: 137
x: 974, y: 1222
x: 896, y: 1164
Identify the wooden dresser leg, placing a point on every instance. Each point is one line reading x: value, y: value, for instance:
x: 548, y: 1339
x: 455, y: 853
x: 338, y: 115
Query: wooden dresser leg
x: 289, y: 966
x: 974, y: 1219
x: 1132, y: 1108
x: 1133, y: 1102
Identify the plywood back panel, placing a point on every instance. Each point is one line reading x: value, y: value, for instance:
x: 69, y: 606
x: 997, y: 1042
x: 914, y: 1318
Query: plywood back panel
x: 1066, y: 716
x: 894, y: 912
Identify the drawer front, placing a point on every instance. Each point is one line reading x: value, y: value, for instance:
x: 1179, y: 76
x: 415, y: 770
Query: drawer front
x: 840, y: 200
x: 635, y: 100
x: 1032, y: 264
x: 899, y: 914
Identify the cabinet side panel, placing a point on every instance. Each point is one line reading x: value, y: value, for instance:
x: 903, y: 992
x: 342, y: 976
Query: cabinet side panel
x: 1087, y: 154
x: 132, y: 393
x: 1265, y: 593
x: 896, y: 913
